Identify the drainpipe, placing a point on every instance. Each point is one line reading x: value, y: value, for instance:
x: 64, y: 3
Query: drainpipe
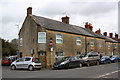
x: 86, y: 44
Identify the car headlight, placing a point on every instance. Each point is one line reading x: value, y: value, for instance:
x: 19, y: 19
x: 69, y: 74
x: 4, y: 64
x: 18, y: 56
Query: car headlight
x: 102, y: 59
x: 62, y: 63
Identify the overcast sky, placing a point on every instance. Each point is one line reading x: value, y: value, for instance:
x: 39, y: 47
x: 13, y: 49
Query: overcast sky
x: 103, y: 15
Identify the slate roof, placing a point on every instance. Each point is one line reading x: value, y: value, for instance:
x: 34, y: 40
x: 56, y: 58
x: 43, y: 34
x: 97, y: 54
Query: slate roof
x: 63, y: 27
x: 60, y: 26
x: 110, y: 39
x: 107, y: 39
x: 95, y: 34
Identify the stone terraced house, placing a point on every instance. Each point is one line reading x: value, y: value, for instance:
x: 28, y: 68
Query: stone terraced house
x: 50, y: 40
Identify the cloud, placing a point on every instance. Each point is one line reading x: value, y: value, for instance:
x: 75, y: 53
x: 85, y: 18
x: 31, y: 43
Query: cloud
x: 100, y: 14
x: 81, y: 8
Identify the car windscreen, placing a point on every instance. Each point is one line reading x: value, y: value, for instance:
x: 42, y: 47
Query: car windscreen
x: 36, y: 60
x: 6, y: 58
x: 65, y: 58
x: 83, y: 55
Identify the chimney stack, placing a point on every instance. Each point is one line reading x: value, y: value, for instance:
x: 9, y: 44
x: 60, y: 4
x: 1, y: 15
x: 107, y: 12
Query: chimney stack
x: 111, y: 35
x: 65, y: 20
x: 29, y: 11
x: 88, y: 26
x: 105, y: 33
x: 98, y: 31
x: 116, y: 36
x: 91, y: 28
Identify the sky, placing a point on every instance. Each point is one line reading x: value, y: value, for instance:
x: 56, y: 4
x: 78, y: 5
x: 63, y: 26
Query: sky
x: 100, y: 13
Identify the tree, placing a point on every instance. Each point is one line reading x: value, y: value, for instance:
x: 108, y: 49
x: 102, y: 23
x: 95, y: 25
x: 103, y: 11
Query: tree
x: 8, y: 48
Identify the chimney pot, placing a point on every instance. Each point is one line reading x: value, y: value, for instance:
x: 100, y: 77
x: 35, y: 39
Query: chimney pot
x: 88, y: 26
x: 91, y: 28
x: 111, y: 35
x: 116, y: 36
x: 65, y: 20
x: 105, y: 33
x: 29, y: 11
x: 98, y: 31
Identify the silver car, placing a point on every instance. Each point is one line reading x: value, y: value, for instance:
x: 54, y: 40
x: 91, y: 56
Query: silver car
x: 29, y: 63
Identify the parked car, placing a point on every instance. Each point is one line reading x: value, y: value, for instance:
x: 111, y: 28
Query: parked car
x: 114, y: 58
x: 105, y: 60
x: 6, y: 61
x: 90, y: 58
x: 13, y: 58
x: 68, y: 62
x: 29, y: 63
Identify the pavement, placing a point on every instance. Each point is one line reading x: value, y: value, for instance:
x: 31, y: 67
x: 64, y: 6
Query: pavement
x: 97, y: 71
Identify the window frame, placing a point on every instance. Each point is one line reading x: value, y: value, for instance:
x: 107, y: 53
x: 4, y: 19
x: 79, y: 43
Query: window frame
x: 59, y: 39
x: 21, y: 42
x: 43, y: 37
x: 109, y: 45
x: 92, y: 42
x: 78, y: 41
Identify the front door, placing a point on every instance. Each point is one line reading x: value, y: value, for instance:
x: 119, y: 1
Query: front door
x: 20, y: 63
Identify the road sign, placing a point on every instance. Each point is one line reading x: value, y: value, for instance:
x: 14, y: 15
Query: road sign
x: 51, y: 43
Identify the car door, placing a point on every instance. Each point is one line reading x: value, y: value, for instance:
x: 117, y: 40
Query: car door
x: 26, y: 62
x: 78, y: 61
x: 19, y: 63
x: 72, y: 62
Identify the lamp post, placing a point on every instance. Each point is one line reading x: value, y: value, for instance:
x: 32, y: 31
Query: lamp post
x: 17, y: 38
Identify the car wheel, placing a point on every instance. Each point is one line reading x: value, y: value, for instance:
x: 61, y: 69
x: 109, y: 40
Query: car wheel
x: 30, y: 68
x: 88, y: 64
x: 80, y: 65
x: 13, y: 67
x: 67, y: 66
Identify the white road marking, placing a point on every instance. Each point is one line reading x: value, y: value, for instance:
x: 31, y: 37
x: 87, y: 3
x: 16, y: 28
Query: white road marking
x: 108, y: 74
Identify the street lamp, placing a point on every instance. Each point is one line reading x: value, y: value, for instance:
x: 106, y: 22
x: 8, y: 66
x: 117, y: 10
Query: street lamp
x: 17, y: 37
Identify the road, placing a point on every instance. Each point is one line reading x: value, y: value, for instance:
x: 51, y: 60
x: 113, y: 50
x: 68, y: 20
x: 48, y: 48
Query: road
x: 97, y: 71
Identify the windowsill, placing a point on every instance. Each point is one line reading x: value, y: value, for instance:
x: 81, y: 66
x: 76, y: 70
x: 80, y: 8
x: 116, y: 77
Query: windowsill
x: 78, y: 44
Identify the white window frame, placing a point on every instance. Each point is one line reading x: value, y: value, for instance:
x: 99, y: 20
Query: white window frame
x: 39, y: 37
x: 92, y: 42
x: 109, y: 45
x: 78, y: 41
x: 21, y: 42
x: 59, y: 39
